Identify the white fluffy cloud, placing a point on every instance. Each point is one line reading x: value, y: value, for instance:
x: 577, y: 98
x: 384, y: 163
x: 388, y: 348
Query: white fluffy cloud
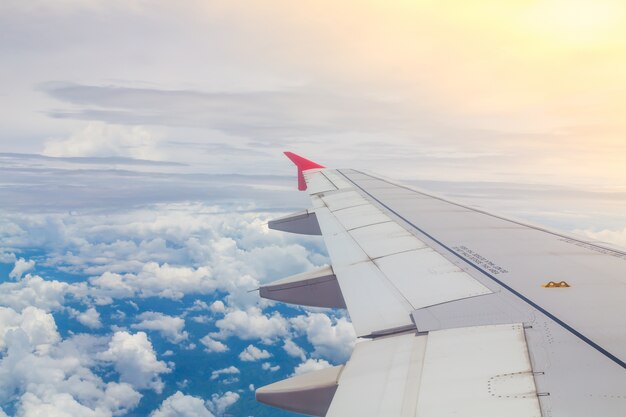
x: 164, y: 280
x: 252, y: 324
x: 170, y: 327
x: 213, y: 345
x: 293, y: 349
x: 134, y: 359
x: 332, y: 338
x: 33, y: 290
x: 219, y: 403
x: 253, y: 353
x: 53, y: 377
x: 21, y: 266
x: 102, y: 139
x: 218, y: 307
x: 231, y: 370
x: 311, y: 365
x: 269, y: 367
x: 181, y: 405
x: 36, y: 325
x: 163, y: 251
x: 89, y: 317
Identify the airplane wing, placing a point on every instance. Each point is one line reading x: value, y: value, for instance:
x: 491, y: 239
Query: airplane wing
x: 459, y: 312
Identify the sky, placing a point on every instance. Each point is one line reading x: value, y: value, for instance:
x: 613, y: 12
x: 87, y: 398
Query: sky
x: 141, y: 157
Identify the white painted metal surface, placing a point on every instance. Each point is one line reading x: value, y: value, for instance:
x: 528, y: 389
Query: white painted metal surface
x: 317, y: 182
x: 338, y: 180
x: 360, y: 216
x: 426, y: 278
x: 384, y: 272
x: 384, y: 239
x: 381, y: 379
x: 471, y: 372
x: 341, y: 246
x: 338, y: 201
x: 373, y: 302
x: 479, y: 371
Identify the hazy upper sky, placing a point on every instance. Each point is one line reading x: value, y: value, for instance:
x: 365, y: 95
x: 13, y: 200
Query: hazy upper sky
x: 517, y: 90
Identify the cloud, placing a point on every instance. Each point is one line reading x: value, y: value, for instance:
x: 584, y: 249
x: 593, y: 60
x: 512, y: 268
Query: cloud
x: 213, y: 345
x: 33, y: 290
x: 275, y: 114
x: 21, y: 266
x: 38, y: 326
x: 100, y: 183
x: 181, y: 405
x: 293, y: 349
x: 231, y: 370
x: 164, y: 280
x: 331, y: 338
x: 134, y: 359
x: 219, y: 403
x: 89, y: 317
x: 252, y: 324
x: 46, y: 375
x: 218, y: 307
x: 105, y: 140
x: 266, y: 366
x: 311, y: 365
x: 172, y: 328
x: 253, y: 353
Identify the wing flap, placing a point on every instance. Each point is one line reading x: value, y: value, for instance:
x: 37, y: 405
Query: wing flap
x: 479, y: 371
x: 373, y: 302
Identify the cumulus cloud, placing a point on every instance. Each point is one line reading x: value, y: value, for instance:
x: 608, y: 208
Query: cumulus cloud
x: 231, y: 370
x: 134, y: 358
x: 269, y: 367
x: 219, y: 403
x: 49, y: 376
x: 293, y: 349
x: 252, y: 324
x: 164, y: 280
x: 213, y: 345
x: 253, y: 353
x: 164, y: 251
x: 33, y: 290
x: 181, y: 405
x: 35, y: 324
x: 89, y: 317
x: 218, y: 307
x: 105, y: 140
x: 21, y: 266
x: 170, y: 327
x: 332, y: 338
x: 311, y: 365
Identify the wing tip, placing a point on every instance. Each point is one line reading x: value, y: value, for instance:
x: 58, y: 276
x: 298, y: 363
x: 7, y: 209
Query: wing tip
x: 303, y: 164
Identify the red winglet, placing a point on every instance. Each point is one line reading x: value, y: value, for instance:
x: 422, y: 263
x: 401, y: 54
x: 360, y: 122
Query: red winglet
x: 303, y: 164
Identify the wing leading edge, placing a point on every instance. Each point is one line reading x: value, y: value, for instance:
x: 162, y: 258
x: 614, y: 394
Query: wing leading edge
x: 451, y: 320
